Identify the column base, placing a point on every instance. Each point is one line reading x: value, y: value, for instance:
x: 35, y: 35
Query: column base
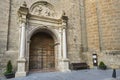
x: 65, y: 65
x: 20, y: 74
x: 21, y: 68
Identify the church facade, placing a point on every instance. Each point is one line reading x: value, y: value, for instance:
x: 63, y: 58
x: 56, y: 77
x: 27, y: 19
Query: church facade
x: 49, y: 35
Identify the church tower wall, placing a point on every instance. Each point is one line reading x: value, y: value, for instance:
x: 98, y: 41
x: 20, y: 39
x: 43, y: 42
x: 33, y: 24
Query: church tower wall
x: 102, y: 22
x: 4, y: 10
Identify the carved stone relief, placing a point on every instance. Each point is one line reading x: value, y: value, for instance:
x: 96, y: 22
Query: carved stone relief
x: 43, y: 10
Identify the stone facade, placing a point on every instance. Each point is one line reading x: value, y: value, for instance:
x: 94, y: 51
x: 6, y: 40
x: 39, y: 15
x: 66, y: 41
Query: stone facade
x: 102, y: 30
x: 92, y: 28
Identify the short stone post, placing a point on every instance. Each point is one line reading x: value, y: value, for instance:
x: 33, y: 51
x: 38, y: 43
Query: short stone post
x: 114, y: 73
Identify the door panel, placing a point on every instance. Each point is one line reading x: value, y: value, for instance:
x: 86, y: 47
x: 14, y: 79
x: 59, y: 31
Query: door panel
x: 41, y: 52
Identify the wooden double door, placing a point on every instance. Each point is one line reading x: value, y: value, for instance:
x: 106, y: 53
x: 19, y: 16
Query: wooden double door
x: 42, y: 55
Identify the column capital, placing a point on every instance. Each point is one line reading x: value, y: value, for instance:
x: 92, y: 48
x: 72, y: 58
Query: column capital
x: 23, y: 13
x: 64, y: 27
x: 64, y: 19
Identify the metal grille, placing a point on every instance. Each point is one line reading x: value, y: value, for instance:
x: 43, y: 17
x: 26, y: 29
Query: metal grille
x: 42, y: 59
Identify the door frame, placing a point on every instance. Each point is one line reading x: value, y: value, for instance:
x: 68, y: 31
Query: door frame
x: 41, y: 56
x: 53, y: 34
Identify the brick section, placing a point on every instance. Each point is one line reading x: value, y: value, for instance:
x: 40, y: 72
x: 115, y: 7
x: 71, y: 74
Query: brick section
x: 92, y: 25
x: 109, y: 14
x: 72, y: 10
x: 14, y: 27
x: 4, y: 13
x: 102, y: 22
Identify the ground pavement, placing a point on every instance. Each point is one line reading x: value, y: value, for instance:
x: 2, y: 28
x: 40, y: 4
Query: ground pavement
x: 90, y: 74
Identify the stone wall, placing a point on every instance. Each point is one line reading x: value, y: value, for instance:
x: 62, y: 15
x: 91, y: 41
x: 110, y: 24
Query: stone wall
x: 92, y: 25
x: 109, y: 22
x: 10, y: 42
x: 72, y: 10
x: 4, y: 15
x: 102, y: 22
x: 9, y: 35
x: 14, y: 23
x: 108, y: 57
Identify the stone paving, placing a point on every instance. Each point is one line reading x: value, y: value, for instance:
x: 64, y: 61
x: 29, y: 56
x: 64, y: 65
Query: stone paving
x: 92, y: 74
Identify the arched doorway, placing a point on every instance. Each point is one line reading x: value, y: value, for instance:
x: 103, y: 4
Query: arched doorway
x: 42, y: 30
x: 42, y: 54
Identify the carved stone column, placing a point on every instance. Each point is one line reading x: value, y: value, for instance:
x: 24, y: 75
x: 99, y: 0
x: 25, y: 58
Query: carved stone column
x: 21, y: 59
x: 65, y: 60
x: 23, y: 11
x: 22, y: 41
x: 59, y: 49
x: 64, y: 43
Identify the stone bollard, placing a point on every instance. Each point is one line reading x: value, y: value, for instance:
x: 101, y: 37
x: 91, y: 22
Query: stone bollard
x: 114, y: 73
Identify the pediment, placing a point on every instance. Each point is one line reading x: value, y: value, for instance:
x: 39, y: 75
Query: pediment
x: 43, y: 9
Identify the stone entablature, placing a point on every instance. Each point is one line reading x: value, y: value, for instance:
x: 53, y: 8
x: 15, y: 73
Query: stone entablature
x: 35, y: 19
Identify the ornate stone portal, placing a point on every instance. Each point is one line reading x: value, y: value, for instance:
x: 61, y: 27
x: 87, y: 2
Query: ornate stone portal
x: 41, y: 18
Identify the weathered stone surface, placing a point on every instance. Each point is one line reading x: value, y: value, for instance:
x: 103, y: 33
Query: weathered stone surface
x: 93, y: 27
x: 102, y: 22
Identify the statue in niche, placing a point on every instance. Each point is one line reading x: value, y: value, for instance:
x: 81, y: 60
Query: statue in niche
x: 37, y: 10
x: 40, y: 10
x: 43, y: 11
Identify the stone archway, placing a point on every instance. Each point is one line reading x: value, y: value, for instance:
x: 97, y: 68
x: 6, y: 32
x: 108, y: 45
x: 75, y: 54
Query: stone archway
x: 42, y: 54
x: 32, y: 23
